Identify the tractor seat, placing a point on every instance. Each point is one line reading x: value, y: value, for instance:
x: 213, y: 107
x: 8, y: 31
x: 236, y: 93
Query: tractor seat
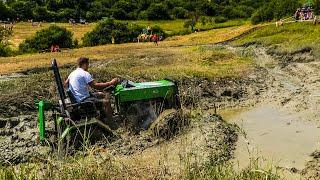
x: 71, y: 97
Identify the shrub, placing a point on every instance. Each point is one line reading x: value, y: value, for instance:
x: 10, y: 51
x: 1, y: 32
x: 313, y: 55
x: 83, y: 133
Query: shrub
x: 108, y: 28
x: 5, y: 50
x: 122, y: 32
x: 45, y: 38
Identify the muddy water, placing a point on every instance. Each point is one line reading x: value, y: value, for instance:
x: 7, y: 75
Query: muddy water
x: 279, y: 137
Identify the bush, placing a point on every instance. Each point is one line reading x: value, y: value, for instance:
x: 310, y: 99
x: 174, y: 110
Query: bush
x: 45, y: 38
x: 108, y: 28
x: 5, y: 50
x: 122, y: 32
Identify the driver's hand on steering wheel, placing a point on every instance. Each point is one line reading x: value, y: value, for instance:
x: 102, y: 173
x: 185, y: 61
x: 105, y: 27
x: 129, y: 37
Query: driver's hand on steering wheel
x: 115, y: 81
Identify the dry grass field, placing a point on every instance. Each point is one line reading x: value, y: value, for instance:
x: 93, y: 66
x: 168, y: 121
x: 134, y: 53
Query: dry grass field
x: 25, y: 30
x: 176, y: 48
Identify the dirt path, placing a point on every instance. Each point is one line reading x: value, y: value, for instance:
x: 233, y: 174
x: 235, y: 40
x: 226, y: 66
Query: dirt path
x: 283, y: 125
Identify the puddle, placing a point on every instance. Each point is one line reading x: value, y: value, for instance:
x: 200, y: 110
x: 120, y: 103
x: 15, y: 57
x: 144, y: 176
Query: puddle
x: 279, y: 137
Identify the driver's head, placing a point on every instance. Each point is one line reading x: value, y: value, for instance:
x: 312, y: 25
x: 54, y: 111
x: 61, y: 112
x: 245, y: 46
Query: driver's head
x: 83, y: 63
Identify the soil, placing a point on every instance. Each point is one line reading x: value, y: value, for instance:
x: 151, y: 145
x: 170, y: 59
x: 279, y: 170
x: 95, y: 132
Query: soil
x: 292, y: 89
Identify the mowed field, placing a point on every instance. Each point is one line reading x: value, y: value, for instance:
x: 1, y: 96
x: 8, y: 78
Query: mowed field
x: 25, y: 30
x: 184, y: 53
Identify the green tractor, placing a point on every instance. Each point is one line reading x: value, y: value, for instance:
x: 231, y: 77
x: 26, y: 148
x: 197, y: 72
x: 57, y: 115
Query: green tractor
x: 144, y: 101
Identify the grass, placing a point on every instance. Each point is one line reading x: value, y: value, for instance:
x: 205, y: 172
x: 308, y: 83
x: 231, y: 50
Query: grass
x: 174, y: 45
x: 288, y: 38
x: 176, y: 27
x: 25, y: 30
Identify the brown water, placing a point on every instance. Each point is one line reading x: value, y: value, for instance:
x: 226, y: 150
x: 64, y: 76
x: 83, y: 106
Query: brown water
x: 281, y: 138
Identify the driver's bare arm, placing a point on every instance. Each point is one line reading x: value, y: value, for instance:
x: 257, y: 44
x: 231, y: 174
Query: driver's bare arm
x: 66, y: 84
x: 100, y: 85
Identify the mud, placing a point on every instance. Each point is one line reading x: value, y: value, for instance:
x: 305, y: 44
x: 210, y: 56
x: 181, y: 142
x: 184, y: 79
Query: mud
x: 19, y: 140
x: 293, y: 83
x: 19, y: 135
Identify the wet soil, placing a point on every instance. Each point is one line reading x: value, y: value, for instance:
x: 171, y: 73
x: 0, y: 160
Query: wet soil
x: 283, y: 124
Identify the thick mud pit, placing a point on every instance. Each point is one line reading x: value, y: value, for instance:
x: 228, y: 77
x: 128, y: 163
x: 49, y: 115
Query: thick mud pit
x: 283, y: 124
x: 20, y: 143
x: 280, y: 137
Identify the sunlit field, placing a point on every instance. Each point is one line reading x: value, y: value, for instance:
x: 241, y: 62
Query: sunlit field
x: 112, y: 52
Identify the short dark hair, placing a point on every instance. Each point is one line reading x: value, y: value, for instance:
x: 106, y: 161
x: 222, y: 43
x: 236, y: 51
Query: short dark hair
x: 82, y: 61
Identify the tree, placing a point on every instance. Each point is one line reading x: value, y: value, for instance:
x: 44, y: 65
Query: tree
x: 179, y: 12
x: 316, y: 6
x: 40, y: 13
x: 158, y: 11
x: 4, y: 11
x: 23, y: 10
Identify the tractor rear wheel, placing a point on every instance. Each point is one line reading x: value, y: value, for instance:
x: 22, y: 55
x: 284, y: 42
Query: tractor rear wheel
x: 168, y: 123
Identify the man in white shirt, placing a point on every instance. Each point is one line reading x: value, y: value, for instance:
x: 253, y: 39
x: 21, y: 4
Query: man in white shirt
x: 79, y: 82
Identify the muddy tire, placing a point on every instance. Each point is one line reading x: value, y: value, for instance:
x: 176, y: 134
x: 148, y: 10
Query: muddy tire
x: 168, y: 123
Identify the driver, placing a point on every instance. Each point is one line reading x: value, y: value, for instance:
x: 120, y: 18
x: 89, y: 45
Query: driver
x: 79, y: 81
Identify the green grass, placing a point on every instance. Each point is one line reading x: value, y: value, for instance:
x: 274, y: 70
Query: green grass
x: 176, y: 27
x: 92, y: 168
x: 288, y: 38
x: 25, y: 30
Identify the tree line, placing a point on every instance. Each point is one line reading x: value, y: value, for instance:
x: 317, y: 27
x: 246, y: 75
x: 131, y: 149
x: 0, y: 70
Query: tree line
x: 92, y: 10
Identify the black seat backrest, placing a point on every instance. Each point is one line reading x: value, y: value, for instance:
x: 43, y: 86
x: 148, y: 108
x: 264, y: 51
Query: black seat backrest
x: 71, y: 97
x: 58, y: 80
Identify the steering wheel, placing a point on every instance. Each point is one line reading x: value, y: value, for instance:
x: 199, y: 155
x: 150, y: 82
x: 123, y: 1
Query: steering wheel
x: 112, y: 87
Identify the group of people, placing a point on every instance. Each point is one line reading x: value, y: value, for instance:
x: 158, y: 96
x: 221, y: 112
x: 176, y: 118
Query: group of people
x: 148, y: 35
x: 304, y: 13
